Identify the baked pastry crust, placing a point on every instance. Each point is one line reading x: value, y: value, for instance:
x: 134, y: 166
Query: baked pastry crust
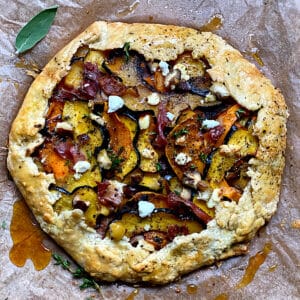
x: 234, y: 224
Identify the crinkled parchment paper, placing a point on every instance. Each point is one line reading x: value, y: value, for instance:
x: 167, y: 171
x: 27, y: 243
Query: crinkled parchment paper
x: 272, y: 28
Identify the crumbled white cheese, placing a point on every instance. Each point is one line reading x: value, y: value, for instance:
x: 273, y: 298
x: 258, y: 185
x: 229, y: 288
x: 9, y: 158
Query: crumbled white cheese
x: 214, y: 199
x: 147, y: 227
x: 205, y: 195
x: 230, y: 150
x: 182, y: 159
x: 210, y: 123
x: 170, y: 116
x: 186, y: 194
x: 183, y: 71
x: 114, y: 103
x: 97, y: 119
x: 64, y: 126
x: 81, y: 167
x: 104, y: 160
x: 145, y: 208
x: 210, y: 97
x: 147, y: 153
x: 164, y: 68
x: 144, y: 122
x: 220, y: 89
x: 153, y: 99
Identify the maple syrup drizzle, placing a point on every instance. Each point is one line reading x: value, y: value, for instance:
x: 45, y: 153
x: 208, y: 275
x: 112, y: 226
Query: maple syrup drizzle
x: 27, y: 239
x: 254, y: 263
x: 213, y: 24
x: 132, y: 294
x: 191, y: 289
x: 222, y: 296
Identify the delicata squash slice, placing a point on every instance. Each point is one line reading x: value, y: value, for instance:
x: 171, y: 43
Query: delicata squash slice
x: 147, y: 151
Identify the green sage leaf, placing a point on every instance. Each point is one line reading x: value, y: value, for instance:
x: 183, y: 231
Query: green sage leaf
x: 35, y: 30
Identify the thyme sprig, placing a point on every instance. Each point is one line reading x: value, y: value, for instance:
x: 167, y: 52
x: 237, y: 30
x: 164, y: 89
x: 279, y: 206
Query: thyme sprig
x: 79, y: 273
x: 180, y: 133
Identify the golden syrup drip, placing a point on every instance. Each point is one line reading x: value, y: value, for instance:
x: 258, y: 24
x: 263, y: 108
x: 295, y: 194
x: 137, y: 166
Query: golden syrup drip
x: 192, y: 289
x: 213, y: 24
x: 222, y: 297
x: 273, y: 268
x: 254, y: 263
x: 132, y: 294
x: 27, y: 239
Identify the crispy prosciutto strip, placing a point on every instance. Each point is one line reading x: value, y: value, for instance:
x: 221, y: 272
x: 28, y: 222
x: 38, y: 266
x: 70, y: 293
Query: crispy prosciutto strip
x: 69, y: 150
x: 174, y: 200
x: 107, y: 195
x: 162, y: 122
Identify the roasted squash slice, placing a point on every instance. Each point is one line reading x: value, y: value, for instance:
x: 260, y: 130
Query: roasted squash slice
x: 148, y: 156
x: 95, y: 57
x: 125, y: 68
x: 121, y: 149
x: 242, y: 143
x: 75, y: 76
x: 160, y: 221
x: 186, y: 139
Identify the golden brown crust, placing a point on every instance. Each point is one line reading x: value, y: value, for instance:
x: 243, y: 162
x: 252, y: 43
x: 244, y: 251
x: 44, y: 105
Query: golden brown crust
x: 235, y: 223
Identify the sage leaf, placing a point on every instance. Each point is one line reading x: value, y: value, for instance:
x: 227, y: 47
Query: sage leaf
x: 35, y: 30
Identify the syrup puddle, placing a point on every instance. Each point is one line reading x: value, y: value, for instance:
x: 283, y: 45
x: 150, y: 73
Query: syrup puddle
x: 27, y: 239
x: 254, y: 263
x: 214, y: 23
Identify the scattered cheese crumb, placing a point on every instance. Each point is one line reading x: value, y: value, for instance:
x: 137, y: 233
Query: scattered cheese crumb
x: 182, y: 159
x: 153, y: 99
x: 210, y: 97
x: 214, y: 199
x: 114, y: 103
x: 164, y: 68
x: 81, y: 167
x: 147, y: 153
x: 144, y: 122
x: 145, y: 208
x: 210, y: 123
x: 183, y: 70
x: 170, y: 116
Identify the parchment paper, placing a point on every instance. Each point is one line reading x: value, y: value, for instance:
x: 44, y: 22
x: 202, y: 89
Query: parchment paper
x: 272, y: 28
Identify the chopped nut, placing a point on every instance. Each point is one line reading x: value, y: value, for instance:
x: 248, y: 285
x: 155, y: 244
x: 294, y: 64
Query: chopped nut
x: 144, y: 122
x: 172, y: 78
x: 192, y: 179
x: 186, y: 194
x: 104, y: 160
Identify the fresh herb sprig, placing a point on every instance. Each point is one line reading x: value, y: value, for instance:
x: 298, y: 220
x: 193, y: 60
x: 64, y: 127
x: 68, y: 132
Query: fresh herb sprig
x: 180, y: 133
x: 126, y: 48
x: 115, y: 158
x: 35, y: 30
x: 79, y: 273
x: 240, y: 113
x: 203, y: 157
